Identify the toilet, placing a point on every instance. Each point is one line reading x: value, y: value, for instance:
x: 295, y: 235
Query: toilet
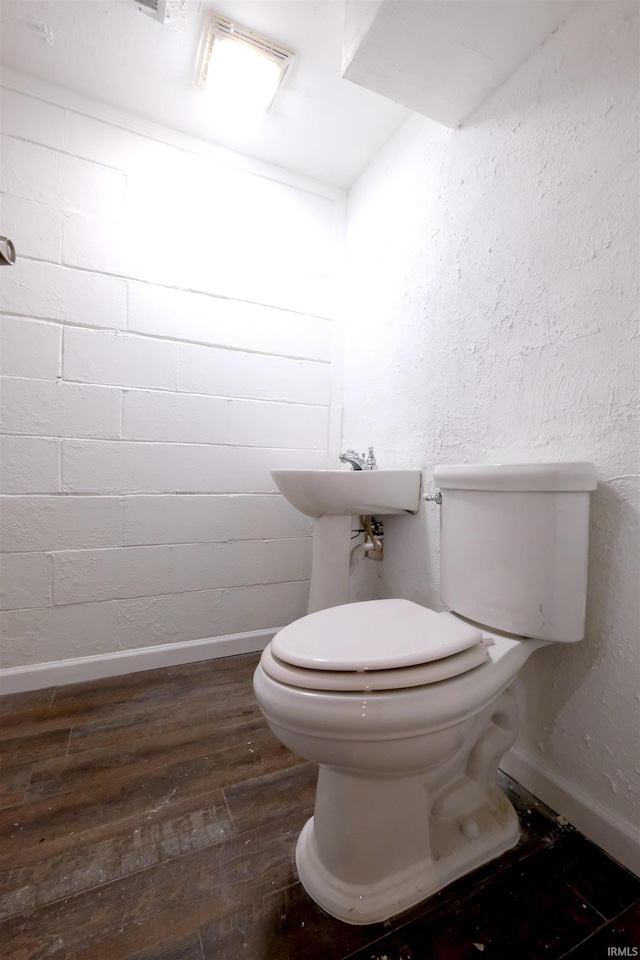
x: 408, y: 711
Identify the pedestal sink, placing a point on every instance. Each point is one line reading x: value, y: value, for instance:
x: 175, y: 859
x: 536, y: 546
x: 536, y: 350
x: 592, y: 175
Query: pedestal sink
x: 332, y: 497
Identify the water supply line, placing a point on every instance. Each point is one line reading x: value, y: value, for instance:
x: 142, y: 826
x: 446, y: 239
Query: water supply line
x: 373, y: 534
x: 373, y: 546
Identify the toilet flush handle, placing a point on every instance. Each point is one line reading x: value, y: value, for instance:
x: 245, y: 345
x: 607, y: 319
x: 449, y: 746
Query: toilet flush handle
x: 436, y: 498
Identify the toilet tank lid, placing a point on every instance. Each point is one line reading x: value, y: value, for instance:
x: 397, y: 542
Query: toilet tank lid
x: 372, y: 635
x: 523, y: 477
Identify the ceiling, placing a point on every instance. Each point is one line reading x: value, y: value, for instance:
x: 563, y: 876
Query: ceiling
x: 108, y: 50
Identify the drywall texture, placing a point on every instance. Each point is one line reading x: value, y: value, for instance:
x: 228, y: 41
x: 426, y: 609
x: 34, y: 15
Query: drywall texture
x: 166, y: 341
x: 492, y: 316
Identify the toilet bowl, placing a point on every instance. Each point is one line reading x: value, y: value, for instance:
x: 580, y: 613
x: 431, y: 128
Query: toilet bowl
x: 408, y: 752
x: 408, y: 711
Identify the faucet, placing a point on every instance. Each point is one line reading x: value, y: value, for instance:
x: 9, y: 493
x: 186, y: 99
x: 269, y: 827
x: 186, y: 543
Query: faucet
x: 353, y: 458
x: 357, y: 461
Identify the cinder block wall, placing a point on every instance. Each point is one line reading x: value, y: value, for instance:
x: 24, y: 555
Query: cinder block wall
x: 166, y: 341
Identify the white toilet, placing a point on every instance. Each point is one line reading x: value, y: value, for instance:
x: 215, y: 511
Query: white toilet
x: 408, y: 712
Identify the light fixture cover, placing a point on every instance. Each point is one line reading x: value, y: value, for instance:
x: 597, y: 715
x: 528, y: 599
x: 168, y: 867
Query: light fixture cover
x: 226, y: 44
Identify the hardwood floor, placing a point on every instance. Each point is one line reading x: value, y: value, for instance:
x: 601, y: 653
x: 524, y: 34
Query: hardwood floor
x: 154, y: 817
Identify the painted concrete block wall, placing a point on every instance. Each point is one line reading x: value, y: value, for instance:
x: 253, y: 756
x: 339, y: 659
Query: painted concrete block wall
x: 166, y: 341
x: 493, y: 316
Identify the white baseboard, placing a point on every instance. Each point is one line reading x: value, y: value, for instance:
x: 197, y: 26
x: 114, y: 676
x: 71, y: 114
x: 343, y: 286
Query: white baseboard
x: 59, y: 672
x: 617, y: 837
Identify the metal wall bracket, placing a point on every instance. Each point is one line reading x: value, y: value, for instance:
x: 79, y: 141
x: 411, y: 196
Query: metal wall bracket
x: 7, y: 252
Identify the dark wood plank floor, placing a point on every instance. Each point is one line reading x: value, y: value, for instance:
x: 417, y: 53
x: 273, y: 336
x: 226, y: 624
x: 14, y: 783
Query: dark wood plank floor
x: 154, y: 817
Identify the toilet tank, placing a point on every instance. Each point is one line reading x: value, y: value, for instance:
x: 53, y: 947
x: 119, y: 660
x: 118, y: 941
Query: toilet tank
x: 514, y: 546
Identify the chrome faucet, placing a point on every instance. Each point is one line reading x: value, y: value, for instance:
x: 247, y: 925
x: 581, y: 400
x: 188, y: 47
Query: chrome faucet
x: 357, y: 461
x: 353, y: 458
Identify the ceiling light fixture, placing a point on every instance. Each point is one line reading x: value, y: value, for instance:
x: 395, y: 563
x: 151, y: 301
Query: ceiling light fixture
x: 243, y: 69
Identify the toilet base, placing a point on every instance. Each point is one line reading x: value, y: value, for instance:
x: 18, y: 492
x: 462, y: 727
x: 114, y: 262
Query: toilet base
x: 458, y: 846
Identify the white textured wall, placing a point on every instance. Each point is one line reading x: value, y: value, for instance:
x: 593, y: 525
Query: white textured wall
x: 166, y: 340
x: 493, y: 276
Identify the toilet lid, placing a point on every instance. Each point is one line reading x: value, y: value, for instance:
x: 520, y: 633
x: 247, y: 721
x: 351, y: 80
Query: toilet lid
x: 374, y: 635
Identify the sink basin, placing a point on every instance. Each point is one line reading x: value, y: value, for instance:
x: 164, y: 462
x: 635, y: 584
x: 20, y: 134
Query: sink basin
x: 320, y: 493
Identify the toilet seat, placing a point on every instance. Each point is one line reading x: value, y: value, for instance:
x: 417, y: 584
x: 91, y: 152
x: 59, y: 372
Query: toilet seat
x: 375, y: 645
